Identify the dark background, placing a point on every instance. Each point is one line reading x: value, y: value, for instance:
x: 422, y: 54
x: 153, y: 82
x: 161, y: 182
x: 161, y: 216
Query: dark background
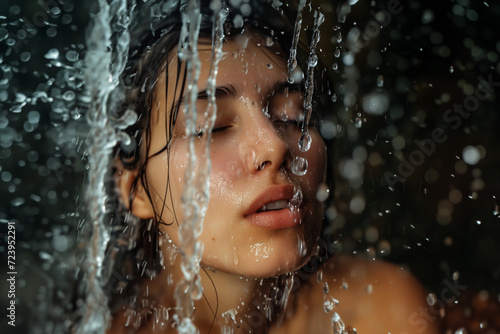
x: 441, y: 221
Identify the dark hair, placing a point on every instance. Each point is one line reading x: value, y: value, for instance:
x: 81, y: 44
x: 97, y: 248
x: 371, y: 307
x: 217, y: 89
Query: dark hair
x: 150, y: 48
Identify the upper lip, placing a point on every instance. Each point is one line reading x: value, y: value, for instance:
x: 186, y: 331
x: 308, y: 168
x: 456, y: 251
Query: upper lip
x: 271, y: 194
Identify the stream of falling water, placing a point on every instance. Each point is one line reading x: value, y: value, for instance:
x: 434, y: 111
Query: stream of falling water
x: 196, y: 194
x: 104, y: 65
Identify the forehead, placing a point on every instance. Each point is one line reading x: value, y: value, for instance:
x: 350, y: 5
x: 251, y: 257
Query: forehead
x: 244, y: 58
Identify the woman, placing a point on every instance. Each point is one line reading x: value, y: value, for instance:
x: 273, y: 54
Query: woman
x: 261, y: 268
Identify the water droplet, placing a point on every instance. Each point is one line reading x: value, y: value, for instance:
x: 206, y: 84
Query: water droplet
x: 72, y: 55
x: 380, y: 81
x: 345, y: 286
x: 25, y: 56
x: 305, y: 141
x: 431, y: 299
x: 301, y: 247
x: 52, y: 54
x: 326, y: 288
x: 69, y: 95
x: 337, y: 324
x: 358, y: 122
x: 328, y: 306
x: 339, y: 37
x: 322, y: 193
x: 269, y: 41
x: 471, y: 155
x: 452, y: 69
x: 230, y: 315
x: 17, y: 201
x: 319, y: 276
x: 313, y: 61
x: 299, y: 166
x: 336, y: 53
x: 335, y: 67
x: 376, y: 103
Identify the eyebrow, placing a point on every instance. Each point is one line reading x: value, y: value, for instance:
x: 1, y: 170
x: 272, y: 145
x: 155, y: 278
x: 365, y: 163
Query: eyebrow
x: 221, y: 92
x: 229, y: 91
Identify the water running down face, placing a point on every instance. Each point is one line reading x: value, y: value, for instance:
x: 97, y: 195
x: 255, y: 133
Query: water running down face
x: 262, y: 219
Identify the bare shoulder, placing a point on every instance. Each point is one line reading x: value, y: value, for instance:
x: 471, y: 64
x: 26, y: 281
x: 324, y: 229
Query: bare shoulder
x: 369, y: 296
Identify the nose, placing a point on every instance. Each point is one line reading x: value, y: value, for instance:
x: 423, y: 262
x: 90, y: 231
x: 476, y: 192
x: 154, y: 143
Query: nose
x: 264, y: 146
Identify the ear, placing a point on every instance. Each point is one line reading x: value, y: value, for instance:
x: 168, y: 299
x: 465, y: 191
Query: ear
x: 141, y: 205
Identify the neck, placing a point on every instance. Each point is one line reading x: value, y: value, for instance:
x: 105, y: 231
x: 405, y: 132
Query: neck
x: 230, y: 303
x: 243, y: 304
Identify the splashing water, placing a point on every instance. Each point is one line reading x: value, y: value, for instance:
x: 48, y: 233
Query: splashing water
x: 195, y: 198
x: 337, y: 324
x: 305, y: 140
x: 104, y: 66
x: 292, y: 60
x: 188, y: 289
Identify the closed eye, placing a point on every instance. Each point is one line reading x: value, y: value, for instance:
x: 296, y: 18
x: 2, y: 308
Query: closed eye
x: 295, y: 122
x: 218, y: 129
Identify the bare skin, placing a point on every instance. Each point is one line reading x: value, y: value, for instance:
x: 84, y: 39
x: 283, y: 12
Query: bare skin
x: 369, y: 296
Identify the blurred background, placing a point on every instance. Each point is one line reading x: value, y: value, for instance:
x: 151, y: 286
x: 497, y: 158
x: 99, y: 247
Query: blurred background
x: 414, y: 127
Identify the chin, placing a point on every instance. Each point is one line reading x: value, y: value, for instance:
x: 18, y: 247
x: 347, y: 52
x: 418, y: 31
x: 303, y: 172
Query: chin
x: 279, y: 261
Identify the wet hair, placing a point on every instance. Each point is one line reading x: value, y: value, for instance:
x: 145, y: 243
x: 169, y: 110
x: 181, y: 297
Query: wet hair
x: 138, y: 253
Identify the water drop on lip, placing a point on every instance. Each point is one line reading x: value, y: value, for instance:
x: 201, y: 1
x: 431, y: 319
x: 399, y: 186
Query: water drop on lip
x: 299, y: 166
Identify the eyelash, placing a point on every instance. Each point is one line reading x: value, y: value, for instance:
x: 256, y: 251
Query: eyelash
x: 215, y: 130
x: 296, y: 122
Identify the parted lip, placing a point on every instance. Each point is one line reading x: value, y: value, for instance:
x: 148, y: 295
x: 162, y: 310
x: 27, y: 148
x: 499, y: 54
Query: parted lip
x: 271, y: 194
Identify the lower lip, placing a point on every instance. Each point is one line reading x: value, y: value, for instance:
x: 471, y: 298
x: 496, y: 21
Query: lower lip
x: 276, y: 219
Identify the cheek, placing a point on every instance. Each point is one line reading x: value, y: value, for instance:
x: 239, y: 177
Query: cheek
x: 225, y: 171
x: 317, y: 158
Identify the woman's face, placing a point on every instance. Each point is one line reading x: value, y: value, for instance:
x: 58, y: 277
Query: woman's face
x: 262, y: 219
